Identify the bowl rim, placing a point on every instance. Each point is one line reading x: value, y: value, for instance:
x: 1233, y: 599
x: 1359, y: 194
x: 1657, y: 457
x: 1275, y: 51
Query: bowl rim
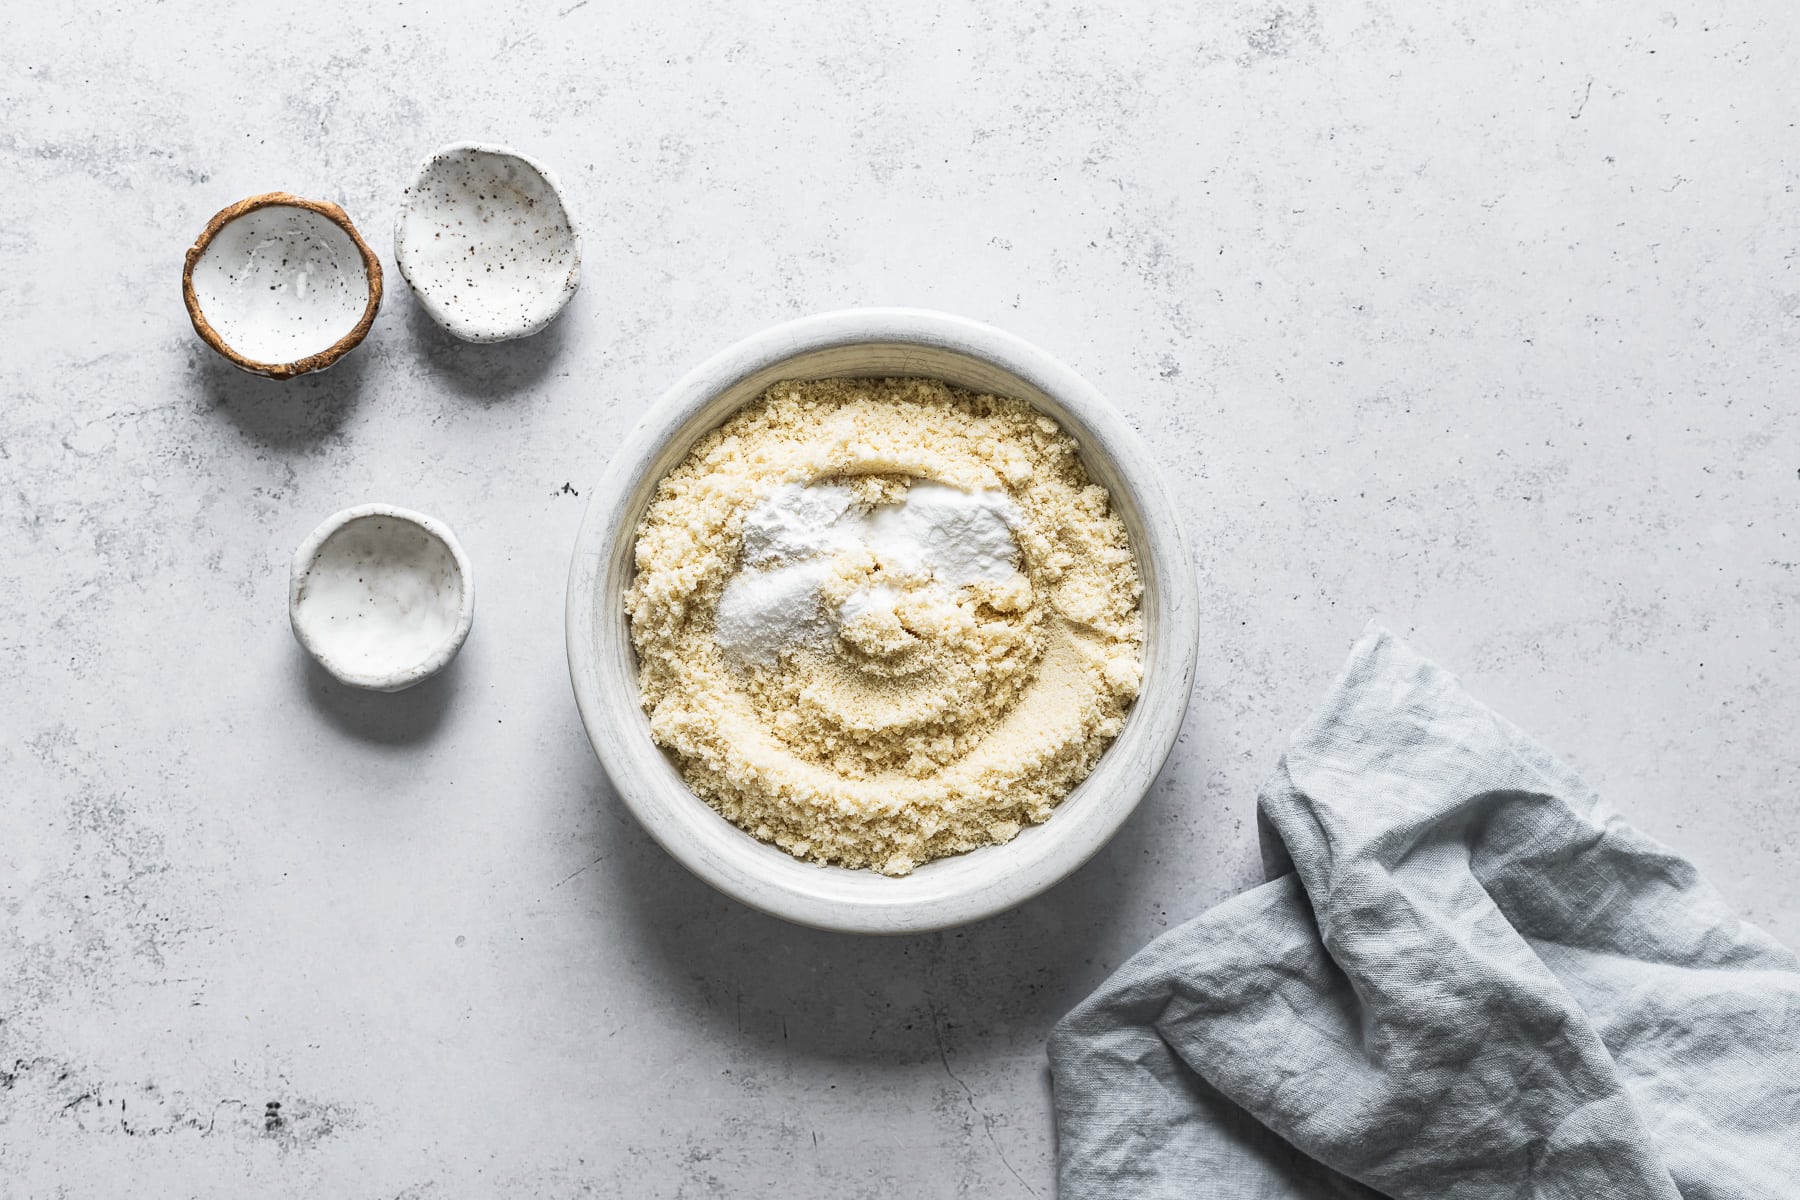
x: 437, y: 660
x: 647, y: 780
x: 433, y: 308
x: 312, y: 362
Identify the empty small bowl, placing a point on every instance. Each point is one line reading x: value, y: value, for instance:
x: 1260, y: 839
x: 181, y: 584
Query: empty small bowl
x: 382, y: 596
x: 486, y: 244
x: 280, y: 285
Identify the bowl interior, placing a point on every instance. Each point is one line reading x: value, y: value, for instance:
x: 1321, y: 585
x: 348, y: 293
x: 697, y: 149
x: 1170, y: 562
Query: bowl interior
x: 949, y: 890
x: 281, y: 283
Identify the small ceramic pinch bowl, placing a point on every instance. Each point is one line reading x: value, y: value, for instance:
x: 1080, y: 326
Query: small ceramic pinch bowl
x: 484, y: 240
x: 947, y: 891
x: 382, y: 597
x: 281, y: 286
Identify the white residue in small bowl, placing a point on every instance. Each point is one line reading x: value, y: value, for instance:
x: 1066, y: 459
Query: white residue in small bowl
x: 381, y: 596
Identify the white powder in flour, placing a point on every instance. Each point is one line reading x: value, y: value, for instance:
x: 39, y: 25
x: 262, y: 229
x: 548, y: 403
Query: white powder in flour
x: 773, y: 603
x: 795, y: 521
x: 763, y: 613
x: 960, y: 537
x: 878, y: 599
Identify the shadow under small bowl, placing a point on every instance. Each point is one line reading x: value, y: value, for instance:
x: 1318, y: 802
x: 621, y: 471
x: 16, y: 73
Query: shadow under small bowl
x: 604, y: 669
x: 382, y: 597
x: 281, y: 286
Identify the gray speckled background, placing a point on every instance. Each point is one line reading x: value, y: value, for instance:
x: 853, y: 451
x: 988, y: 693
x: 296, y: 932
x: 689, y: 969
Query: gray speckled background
x: 1479, y: 319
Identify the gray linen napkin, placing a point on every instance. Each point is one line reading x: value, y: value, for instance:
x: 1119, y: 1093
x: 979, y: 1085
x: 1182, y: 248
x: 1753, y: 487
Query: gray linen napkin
x: 1465, y: 979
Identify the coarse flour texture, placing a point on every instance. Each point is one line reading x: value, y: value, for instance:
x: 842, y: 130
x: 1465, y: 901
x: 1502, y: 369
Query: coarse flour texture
x: 883, y: 621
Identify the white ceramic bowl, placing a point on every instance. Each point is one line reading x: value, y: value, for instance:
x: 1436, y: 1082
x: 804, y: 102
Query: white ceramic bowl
x: 281, y: 286
x: 603, y: 664
x: 382, y: 597
x: 485, y: 241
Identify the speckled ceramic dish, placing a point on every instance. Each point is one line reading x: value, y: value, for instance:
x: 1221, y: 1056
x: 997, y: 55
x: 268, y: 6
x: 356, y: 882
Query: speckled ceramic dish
x: 382, y: 596
x: 485, y: 242
x: 280, y: 285
x: 946, y: 891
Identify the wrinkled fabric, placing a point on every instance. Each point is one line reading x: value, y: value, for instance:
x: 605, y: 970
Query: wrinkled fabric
x: 1466, y: 979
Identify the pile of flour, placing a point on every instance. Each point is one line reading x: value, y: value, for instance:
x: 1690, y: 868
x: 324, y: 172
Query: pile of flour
x: 918, y: 654
x: 791, y: 536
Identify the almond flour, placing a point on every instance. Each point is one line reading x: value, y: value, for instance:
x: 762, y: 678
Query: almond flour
x: 883, y: 621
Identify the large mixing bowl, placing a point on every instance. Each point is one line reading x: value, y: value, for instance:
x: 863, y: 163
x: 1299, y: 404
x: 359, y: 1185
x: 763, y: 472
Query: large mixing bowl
x: 603, y: 664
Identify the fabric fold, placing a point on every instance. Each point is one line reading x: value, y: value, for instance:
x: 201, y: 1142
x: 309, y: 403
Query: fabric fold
x: 1468, y: 980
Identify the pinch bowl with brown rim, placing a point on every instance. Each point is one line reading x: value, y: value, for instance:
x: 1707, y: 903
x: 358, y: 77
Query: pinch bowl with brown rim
x: 281, y: 286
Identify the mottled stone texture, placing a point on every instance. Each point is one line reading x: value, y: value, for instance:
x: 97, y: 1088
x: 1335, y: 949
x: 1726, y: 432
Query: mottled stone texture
x: 1478, y: 318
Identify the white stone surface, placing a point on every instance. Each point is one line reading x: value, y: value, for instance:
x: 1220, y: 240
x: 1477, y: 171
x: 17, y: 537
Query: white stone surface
x: 1481, y: 319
